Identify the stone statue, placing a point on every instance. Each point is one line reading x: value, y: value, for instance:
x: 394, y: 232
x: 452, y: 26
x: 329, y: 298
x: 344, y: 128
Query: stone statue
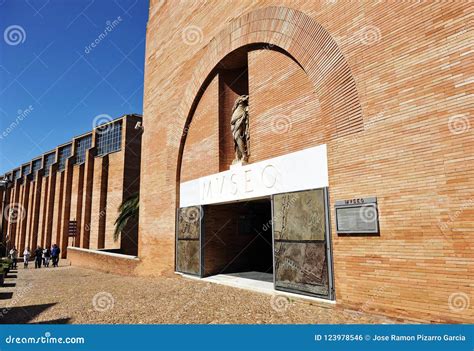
x: 239, y: 125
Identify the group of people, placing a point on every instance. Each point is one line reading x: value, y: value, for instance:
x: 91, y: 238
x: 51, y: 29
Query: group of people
x: 41, y: 256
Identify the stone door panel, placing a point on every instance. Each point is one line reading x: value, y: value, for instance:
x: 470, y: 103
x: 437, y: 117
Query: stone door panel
x: 300, y: 215
x: 188, y: 240
x: 300, y: 242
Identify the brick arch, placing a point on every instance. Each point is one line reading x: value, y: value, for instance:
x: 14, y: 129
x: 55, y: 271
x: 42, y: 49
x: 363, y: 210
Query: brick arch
x: 306, y: 41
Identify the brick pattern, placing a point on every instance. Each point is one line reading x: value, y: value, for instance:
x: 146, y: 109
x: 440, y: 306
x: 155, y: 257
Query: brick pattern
x: 102, y: 262
x: 203, y: 137
x: 390, y: 81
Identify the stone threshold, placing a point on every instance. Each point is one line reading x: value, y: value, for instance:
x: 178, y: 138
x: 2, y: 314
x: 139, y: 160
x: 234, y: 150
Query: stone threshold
x: 254, y: 281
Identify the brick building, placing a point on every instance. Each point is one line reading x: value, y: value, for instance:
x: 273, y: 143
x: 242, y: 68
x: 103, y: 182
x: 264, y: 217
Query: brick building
x: 352, y: 100
x: 82, y: 181
x: 359, y: 184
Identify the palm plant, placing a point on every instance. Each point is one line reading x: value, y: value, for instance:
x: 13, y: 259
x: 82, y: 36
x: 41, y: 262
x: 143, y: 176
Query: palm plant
x: 127, y: 210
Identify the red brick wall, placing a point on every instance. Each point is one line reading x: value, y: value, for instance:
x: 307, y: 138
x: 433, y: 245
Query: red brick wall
x: 202, y: 143
x: 382, y: 85
x: 102, y: 262
x: 114, y: 191
x: 285, y: 115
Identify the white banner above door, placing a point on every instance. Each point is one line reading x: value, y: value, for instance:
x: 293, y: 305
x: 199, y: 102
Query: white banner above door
x: 300, y: 170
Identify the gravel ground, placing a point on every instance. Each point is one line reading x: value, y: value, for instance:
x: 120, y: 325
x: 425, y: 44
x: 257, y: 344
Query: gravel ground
x: 75, y: 295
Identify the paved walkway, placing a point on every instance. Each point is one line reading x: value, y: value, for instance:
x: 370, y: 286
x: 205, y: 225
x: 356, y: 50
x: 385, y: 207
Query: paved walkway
x: 74, y: 295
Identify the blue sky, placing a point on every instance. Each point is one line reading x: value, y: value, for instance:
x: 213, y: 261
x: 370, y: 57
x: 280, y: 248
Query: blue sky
x: 54, y: 82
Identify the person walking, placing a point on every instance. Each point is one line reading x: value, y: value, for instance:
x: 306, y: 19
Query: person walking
x: 14, y: 257
x: 55, y: 251
x: 26, y: 257
x: 46, y: 257
x: 38, y: 257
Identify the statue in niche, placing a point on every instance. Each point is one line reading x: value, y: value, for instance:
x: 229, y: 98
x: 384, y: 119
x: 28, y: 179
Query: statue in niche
x: 239, y: 125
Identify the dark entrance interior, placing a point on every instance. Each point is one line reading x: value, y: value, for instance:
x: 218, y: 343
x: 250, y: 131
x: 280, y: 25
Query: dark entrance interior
x: 238, y: 237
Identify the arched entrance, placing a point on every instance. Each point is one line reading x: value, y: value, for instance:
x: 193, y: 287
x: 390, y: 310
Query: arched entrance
x: 284, y: 186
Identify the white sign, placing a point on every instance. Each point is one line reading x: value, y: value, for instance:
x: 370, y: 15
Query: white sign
x: 301, y: 170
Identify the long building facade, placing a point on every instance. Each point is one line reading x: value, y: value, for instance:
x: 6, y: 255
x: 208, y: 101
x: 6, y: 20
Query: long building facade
x: 70, y: 196
x: 358, y: 181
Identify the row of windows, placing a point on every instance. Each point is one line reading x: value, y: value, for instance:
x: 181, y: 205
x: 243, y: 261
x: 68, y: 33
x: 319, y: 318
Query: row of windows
x: 108, y: 140
x: 25, y: 169
x: 48, y: 161
x: 36, y: 165
x: 81, y: 146
x: 64, y: 154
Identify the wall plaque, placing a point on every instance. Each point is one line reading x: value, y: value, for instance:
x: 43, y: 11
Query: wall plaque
x: 357, y: 216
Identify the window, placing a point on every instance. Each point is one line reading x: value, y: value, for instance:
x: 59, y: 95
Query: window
x: 108, y: 138
x: 64, y: 153
x: 16, y: 174
x: 48, y: 161
x: 36, y: 165
x: 81, y: 146
x: 25, y: 170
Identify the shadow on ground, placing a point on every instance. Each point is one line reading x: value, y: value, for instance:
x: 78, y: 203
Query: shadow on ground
x: 24, y: 314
